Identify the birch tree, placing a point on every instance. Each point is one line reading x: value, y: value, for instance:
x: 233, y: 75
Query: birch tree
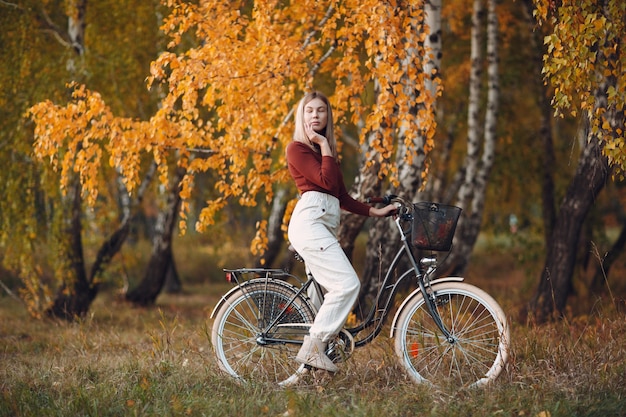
x: 414, y: 140
x: 481, y: 143
x: 161, y: 262
x: 226, y: 97
x: 54, y: 38
x: 481, y: 139
x: 78, y: 289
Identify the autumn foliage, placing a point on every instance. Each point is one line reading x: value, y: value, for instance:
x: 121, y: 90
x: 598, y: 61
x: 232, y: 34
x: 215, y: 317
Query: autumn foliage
x: 230, y: 78
x: 585, y: 63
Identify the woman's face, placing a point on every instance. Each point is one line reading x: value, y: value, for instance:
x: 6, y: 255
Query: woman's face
x: 316, y: 114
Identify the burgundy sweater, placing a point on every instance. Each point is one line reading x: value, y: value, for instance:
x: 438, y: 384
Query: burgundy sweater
x: 313, y: 172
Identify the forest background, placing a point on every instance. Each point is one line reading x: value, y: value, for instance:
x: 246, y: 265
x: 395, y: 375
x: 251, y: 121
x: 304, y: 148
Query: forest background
x: 512, y: 110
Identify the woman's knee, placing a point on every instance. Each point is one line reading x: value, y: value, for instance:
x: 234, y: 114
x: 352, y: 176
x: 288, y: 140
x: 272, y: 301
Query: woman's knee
x: 354, y: 287
x: 347, y: 289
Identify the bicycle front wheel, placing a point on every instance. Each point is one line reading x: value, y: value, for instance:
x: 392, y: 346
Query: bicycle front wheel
x: 475, y: 353
x: 246, y: 346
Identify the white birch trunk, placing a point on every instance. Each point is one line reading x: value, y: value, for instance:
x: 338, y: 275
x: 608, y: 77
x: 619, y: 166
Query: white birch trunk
x: 383, y: 241
x: 411, y: 161
x: 473, y: 110
x: 479, y: 158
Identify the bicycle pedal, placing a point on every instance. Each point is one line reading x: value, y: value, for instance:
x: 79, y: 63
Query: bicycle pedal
x: 341, y: 347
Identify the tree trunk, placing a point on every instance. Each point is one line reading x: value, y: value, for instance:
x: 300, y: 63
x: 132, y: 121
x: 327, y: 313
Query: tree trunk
x: 366, y: 184
x: 473, y: 112
x: 589, y: 179
x: 469, y: 195
x: 556, y: 279
x: 435, y: 188
x: 173, y: 285
x: 161, y: 259
x: 383, y: 240
x: 76, y: 294
x: 275, y: 235
x: 472, y: 197
x: 74, y: 298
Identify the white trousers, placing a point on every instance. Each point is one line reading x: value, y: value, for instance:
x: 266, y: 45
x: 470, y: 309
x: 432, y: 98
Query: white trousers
x: 313, y: 233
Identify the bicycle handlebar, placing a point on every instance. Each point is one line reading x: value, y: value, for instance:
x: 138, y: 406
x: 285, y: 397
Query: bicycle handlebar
x: 404, y: 206
x: 389, y: 199
x: 375, y: 200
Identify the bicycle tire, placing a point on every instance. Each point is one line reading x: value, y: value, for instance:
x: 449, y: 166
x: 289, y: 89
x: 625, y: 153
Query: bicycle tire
x: 241, y: 320
x: 480, y: 338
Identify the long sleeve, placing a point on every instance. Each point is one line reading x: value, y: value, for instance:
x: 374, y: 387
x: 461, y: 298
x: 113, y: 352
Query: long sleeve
x: 348, y: 203
x: 314, y: 172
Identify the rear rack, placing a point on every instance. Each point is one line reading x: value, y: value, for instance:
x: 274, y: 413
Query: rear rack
x: 240, y: 275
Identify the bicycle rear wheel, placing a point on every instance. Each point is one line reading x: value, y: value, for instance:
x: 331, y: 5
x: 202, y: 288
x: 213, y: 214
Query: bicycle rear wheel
x: 248, y: 350
x: 479, y: 345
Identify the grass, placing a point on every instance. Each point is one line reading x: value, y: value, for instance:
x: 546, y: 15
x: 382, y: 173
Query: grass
x: 125, y: 361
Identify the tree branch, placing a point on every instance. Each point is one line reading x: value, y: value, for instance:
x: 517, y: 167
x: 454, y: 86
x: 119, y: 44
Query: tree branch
x: 48, y: 26
x: 327, y: 16
x: 7, y: 289
x: 15, y: 6
x: 322, y: 59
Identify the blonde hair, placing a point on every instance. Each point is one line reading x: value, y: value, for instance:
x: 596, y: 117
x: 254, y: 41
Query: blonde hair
x: 329, y: 131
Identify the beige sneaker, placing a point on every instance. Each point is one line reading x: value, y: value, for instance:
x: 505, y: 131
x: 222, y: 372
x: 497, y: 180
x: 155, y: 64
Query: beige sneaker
x: 313, y: 353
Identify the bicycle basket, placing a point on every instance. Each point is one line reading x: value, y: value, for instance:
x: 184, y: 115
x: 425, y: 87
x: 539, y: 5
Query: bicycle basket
x: 433, y: 226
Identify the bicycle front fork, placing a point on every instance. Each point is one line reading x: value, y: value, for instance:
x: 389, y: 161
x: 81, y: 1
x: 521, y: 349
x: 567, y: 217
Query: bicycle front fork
x: 430, y: 298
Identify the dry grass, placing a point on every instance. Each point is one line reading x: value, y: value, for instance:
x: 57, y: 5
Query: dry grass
x: 125, y: 361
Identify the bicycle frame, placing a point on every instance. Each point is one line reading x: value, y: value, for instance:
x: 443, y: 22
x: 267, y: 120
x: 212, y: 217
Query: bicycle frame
x: 421, y: 271
x: 381, y: 306
x: 445, y: 332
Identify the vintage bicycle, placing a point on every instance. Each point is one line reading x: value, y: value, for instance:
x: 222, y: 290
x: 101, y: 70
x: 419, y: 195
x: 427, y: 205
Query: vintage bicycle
x: 446, y: 332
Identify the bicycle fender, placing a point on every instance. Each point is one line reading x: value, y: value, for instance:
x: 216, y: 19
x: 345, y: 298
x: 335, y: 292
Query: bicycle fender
x: 415, y: 294
x: 226, y: 296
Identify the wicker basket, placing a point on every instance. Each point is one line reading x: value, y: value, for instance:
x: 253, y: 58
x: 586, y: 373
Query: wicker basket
x: 434, y: 225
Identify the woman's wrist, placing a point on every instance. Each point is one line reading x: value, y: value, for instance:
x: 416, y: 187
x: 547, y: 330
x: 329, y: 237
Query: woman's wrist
x: 325, y: 148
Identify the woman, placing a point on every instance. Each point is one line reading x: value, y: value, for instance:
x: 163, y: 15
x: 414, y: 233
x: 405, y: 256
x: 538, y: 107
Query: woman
x: 314, y: 166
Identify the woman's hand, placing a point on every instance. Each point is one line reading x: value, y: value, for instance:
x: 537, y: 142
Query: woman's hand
x: 317, y: 139
x: 383, y: 211
x: 313, y: 136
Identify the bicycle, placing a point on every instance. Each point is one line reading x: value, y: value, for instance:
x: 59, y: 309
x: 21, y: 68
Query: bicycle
x: 446, y: 332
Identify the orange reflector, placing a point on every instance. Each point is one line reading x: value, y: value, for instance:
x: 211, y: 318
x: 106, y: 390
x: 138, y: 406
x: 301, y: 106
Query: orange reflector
x: 289, y: 309
x: 414, y: 350
x: 229, y: 277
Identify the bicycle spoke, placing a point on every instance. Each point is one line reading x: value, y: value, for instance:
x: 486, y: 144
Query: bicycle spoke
x: 472, y: 355
x: 245, y: 347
